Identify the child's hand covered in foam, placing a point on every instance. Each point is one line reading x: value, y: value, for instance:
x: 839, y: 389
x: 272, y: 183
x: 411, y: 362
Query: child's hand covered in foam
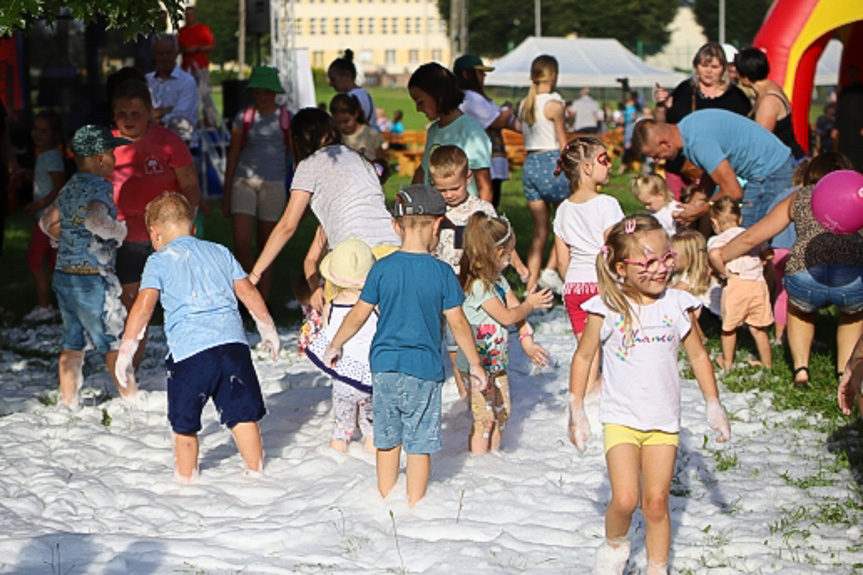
x: 717, y: 420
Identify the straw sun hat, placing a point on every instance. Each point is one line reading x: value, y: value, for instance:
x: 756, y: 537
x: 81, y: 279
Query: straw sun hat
x: 348, y: 264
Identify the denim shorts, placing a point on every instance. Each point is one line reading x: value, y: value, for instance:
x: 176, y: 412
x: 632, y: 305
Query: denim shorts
x: 226, y: 374
x: 820, y: 286
x: 406, y: 412
x: 81, y: 298
x: 540, y: 183
x: 758, y: 194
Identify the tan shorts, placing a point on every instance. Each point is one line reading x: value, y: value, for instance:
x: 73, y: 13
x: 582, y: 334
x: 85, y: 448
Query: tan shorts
x: 264, y: 199
x: 745, y: 302
x: 491, y: 406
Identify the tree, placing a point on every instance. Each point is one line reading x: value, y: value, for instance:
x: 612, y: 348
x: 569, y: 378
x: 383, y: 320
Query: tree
x: 130, y: 16
x: 743, y: 18
x: 223, y: 18
x: 498, y: 25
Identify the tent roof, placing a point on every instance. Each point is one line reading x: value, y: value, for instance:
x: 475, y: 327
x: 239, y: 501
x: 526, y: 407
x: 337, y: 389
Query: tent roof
x: 584, y: 62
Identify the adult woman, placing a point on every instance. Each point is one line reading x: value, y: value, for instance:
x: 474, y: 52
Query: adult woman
x: 470, y: 73
x: 772, y: 108
x: 709, y: 87
x: 823, y: 268
x: 156, y: 161
x: 541, y: 120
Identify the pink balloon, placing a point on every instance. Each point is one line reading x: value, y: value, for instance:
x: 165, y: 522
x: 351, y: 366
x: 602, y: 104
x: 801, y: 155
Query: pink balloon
x: 837, y: 202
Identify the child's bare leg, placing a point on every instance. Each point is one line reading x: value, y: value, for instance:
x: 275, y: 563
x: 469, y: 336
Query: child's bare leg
x: 478, y: 444
x: 418, y: 471
x: 186, y: 455
x: 43, y: 287
x: 459, y: 380
x: 71, y: 376
x: 847, y: 334
x: 762, y: 344
x: 496, y: 437
x: 657, y: 468
x: 623, y: 463
x: 132, y: 388
x: 247, y: 436
x: 729, y: 342
x: 388, y: 469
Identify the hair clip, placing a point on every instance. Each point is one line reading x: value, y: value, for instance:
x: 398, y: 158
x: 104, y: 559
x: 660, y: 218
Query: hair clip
x: 504, y: 220
x: 604, y: 250
x: 629, y: 226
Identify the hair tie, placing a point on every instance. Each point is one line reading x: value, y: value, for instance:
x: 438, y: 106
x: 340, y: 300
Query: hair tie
x: 604, y: 250
x: 560, y: 161
x: 629, y: 226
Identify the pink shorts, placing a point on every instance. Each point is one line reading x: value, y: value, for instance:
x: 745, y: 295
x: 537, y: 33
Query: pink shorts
x: 575, y: 294
x: 40, y: 250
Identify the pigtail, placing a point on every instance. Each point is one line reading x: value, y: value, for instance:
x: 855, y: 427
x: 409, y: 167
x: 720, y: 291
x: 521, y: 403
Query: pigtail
x: 575, y: 153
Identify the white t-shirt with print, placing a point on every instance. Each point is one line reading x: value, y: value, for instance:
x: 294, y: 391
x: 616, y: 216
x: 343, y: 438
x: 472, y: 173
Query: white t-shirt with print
x: 449, y: 248
x: 582, y: 227
x: 641, y: 387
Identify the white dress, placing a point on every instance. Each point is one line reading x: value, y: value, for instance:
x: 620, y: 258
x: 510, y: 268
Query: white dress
x: 353, y: 367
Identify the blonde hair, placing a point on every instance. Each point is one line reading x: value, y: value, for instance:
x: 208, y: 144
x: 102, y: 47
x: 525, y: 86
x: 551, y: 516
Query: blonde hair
x: 577, y: 151
x: 725, y: 207
x: 543, y: 69
x: 693, y: 247
x: 704, y: 55
x: 448, y: 161
x: 623, y: 239
x: 653, y: 185
x: 483, y: 237
x: 170, y: 208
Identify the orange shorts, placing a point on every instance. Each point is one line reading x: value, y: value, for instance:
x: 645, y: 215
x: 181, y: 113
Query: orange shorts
x: 745, y: 302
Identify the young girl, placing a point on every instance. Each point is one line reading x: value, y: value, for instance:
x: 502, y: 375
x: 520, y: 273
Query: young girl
x: 436, y: 93
x: 541, y: 120
x: 346, y: 267
x: 640, y: 324
x: 692, y: 273
x: 358, y: 136
x: 342, y: 75
x: 653, y: 193
x: 48, y: 177
x: 580, y: 227
x: 490, y: 306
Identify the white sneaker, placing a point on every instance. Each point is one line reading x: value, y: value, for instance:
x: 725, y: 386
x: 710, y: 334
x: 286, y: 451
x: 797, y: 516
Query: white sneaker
x: 39, y: 314
x: 611, y: 560
x: 550, y: 279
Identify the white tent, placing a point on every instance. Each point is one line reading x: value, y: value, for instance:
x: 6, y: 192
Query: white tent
x: 584, y: 62
x: 827, y: 72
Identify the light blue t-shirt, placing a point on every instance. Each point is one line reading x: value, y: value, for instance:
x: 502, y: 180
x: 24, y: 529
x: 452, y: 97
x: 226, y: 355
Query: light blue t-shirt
x: 412, y: 291
x: 80, y: 251
x: 710, y: 136
x: 468, y: 135
x: 47, y: 162
x: 195, y: 280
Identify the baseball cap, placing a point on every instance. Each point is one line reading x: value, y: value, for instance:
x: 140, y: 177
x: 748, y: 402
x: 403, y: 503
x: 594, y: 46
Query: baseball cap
x: 419, y: 200
x: 469, y: 62
x: 91, y: 140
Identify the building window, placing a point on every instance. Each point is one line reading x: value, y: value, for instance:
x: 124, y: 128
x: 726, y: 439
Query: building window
x: 336, y: 26
x: 436, y: 55
x: 391, y: 57
x: 431, y: 26
x: 298, y: 26
x: 395, y: 25
x: 442, y: 26
x: 414, y: 56
x: 312, y: 23
x: 347, y: 25
x: 419, y: 25
x: 383, y: 25
x: 323, y: 26
x: 407, y: 25
x: 371, y: 25
x: 360, y: 22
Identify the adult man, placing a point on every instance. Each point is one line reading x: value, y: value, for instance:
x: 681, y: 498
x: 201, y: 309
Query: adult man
x: 726, y: 146
x: 175, y: 94
x: 586, y: 114
x: 196, y: 40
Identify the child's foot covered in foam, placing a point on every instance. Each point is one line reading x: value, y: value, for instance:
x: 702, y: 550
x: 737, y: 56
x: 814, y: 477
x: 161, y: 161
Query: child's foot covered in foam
x: 611, y: 557
x: 341, y: 446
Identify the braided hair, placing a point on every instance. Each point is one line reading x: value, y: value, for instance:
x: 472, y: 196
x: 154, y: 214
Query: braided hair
x: 577, y: 151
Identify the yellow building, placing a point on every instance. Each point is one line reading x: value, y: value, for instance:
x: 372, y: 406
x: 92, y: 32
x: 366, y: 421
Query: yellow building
x: 391, y: 37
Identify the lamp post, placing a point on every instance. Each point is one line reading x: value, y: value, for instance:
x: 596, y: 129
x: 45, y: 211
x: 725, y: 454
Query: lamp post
x: 721, y: 21
x: 537, y: 18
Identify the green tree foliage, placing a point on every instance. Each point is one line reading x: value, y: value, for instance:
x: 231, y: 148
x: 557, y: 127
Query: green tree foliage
x: 498, y: 25
x: 223, y: 18
x: 743, y: 18
x: 129, y: 16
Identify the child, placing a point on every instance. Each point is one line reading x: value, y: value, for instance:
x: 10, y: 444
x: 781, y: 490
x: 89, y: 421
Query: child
x: 490, y: 307
x: 208, y: 352
x: 653, y: 193
x: 312, y: 322
x: 397, y: 130
x: 745, y: 297
x: 692, y: 195
x: 692, y: 274
x: 346, y: 267
x: 413, y: 291
x: 358, y: 136
x: 580, y: 226
x: 640, y: 324
x: 48, y: 177
x: 342, y: 75
x: 87, y: 290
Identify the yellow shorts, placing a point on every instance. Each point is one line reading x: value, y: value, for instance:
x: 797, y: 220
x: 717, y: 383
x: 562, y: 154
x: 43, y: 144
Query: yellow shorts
x: 614, y: 434
x: 380, y: 252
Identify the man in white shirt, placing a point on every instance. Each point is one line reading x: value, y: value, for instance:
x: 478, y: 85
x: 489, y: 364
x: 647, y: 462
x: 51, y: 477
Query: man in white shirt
x: 586, y: 114
x: 175, y: 94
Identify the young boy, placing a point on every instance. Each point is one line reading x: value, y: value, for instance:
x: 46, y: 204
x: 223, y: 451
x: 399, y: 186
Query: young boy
x: 745, y: 297
x: 199, y: 283
x: 412, y: 290
x: 83, y: 220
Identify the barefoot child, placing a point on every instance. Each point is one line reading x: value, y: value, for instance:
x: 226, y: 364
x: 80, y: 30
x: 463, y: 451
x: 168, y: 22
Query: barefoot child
x: 346, y: 268
x: 490, y: 307
x: 640, y: 324
x: 198, y: 283
x: 413, y: 291
x: 745, y: 297
x: 84, y: 281
x: 653, y: 193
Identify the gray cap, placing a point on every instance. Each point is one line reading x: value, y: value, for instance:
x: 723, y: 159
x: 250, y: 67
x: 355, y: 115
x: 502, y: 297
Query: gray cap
x: 91, y: 140
x: 419, y: 200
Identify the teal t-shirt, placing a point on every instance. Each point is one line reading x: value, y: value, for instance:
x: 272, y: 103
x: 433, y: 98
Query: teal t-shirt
x: 710, y: 136
x: 492, y: 338
x: 468, y: 135
x: 411, y: 291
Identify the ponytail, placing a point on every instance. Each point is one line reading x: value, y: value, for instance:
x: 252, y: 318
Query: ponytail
x: 542, y: 70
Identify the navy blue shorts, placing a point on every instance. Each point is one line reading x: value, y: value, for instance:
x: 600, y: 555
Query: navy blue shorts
x: 226, y: 374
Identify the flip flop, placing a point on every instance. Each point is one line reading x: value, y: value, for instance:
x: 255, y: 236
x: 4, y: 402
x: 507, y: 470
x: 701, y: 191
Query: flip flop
x: 800, y: 384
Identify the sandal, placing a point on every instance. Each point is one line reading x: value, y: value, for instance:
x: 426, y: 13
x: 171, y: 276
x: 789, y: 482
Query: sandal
x: 800, y: 384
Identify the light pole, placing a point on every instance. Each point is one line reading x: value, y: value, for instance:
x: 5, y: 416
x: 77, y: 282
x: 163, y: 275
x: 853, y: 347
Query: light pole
x: 721, y: 21
x: 537, y: 18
